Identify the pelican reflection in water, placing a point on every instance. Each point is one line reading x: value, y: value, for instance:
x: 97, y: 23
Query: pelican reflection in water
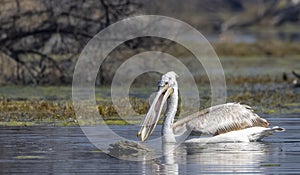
x: 230, y: 122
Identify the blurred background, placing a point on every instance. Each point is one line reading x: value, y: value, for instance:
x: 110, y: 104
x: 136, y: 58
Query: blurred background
x: 256, y: 41
x: 41, y: 40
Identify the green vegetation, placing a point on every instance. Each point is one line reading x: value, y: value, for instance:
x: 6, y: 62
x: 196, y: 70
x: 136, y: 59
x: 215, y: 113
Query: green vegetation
x: 255, y: 81
x: 270, y: 165
x: 28, y: 157
x: 273, y: 48
x: 270, y: 102
x: 39, y: 110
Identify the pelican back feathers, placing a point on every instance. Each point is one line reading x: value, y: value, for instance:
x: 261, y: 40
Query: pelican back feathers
x: 221, y: 119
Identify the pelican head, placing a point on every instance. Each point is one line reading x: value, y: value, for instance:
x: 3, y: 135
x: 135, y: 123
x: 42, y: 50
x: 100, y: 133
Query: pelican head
x: 166, y: 86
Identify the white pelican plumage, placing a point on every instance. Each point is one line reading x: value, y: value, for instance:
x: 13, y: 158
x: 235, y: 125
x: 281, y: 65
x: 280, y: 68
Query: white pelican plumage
x: 230, y: 122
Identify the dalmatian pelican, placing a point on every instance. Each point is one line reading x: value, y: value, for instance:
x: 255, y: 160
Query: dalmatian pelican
x: 230, y: 122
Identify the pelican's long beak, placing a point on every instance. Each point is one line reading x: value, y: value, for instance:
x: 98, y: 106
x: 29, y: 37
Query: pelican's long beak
x: 153, y: 114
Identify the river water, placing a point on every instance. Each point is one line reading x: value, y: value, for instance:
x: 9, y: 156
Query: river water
x: 66, y: 150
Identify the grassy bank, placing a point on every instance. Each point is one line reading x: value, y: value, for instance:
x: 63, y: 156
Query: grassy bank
x: 58, y: 110
x: 255, y: 81
x: 271, y: 48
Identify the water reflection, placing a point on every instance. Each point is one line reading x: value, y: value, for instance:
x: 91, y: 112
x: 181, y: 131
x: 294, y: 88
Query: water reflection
x: 66, y: 150
x: 211, y: 158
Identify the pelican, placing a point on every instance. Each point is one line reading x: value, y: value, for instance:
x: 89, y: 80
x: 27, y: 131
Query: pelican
x: 230, y: 122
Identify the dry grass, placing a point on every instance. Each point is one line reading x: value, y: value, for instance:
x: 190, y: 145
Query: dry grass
x: 262, y: 48
x: 274, y: 48
x: 28, y: 112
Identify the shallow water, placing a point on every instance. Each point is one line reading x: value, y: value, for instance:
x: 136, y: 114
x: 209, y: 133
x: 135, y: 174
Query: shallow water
x: 66, y: 150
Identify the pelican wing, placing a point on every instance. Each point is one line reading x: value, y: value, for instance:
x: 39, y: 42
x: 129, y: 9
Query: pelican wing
x: 221, y: 119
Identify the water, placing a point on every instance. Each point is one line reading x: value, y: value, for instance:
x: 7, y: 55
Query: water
x: 66, y: 150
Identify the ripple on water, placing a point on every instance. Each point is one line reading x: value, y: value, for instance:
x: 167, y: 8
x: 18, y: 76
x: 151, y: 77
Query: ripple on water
x: 66, y: 150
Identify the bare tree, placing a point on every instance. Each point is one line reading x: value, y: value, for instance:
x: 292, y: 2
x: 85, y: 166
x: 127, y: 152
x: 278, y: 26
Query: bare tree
x: 43, y: 38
